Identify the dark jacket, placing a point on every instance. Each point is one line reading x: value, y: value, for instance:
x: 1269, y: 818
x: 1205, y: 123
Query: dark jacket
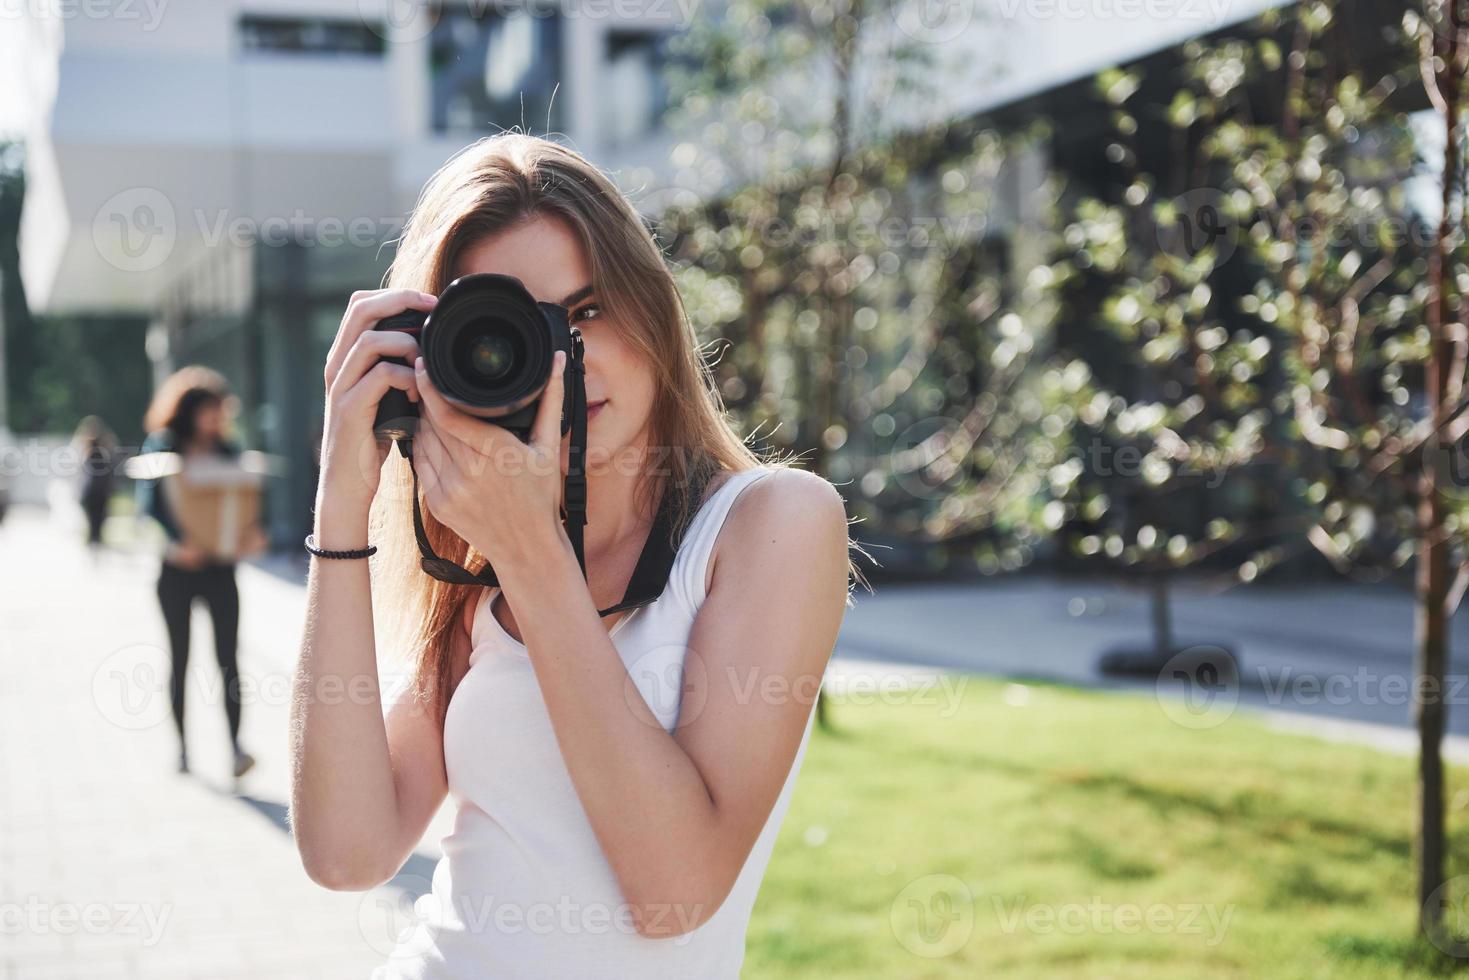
x: 149, y: 499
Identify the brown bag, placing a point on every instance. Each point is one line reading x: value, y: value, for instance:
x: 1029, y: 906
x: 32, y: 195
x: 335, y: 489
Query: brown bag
x: 215, y: 501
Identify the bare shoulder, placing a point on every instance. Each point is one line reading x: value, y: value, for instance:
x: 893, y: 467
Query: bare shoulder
x: 790, y: 500
x: 789, y: 513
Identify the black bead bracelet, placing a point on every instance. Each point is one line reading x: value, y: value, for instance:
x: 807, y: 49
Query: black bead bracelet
x: 367, y: 552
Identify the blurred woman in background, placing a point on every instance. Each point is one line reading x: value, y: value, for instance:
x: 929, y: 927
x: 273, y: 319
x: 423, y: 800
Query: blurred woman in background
x: 95, y: 446
x: 188, y: 416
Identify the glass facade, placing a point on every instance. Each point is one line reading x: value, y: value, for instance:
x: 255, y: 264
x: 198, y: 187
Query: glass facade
x: 310, y: 35
x: 490, y: 70
x: 634, y: 92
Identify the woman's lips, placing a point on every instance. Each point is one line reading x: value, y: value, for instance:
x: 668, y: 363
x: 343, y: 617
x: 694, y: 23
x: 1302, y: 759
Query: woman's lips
x: 593, y: 408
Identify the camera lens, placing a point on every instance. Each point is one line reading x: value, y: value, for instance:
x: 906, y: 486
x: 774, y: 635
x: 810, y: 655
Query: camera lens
x: 487, y: 345
x: 489, y: 351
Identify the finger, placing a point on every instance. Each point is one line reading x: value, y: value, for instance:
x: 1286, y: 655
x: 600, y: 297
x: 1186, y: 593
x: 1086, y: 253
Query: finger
x: 370, y: 348
x: 376, y: 382
x: 364, y: 309
x: 448, y: 420
x: 545, y: 433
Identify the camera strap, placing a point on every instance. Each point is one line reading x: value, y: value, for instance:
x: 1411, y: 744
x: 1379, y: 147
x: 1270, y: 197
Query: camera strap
x: 650, y: 575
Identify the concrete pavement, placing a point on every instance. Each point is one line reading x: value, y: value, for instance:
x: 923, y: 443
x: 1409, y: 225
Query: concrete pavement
x: 111, y: 863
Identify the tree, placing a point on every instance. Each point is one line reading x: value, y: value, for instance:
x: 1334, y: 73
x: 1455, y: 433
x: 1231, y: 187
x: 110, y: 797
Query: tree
x: 1366, y: 296
x: 1173, y: 414
x: 844, y: 237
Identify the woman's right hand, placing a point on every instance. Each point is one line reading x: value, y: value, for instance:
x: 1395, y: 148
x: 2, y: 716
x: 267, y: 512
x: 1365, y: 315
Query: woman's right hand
x: 356, y: 379
x: 182, y: 554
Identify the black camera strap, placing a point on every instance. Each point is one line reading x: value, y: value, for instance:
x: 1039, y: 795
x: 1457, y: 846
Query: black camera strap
x: 649, y: 577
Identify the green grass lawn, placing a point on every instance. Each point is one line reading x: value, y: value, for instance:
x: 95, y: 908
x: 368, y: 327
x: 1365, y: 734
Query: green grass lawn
x: 1095, y: 838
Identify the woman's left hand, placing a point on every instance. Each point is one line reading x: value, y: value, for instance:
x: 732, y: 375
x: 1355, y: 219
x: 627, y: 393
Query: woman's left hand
x: 499, y: 494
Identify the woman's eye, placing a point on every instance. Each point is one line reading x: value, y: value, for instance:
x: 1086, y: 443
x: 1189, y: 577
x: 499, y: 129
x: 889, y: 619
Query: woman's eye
x: 589, y: 312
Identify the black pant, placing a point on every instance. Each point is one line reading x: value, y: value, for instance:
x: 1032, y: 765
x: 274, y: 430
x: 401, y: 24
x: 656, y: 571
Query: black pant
x: 215, y: 584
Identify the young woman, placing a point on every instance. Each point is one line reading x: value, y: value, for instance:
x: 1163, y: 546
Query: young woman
x: 618, y: 782
x: 188, y: 417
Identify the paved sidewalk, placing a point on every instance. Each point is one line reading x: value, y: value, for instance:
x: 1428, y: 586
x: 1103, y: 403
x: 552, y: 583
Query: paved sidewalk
x: 111, y: 863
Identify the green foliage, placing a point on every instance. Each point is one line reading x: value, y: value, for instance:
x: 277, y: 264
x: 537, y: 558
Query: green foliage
x: 1339, y: 254
x: 1287, y: 170
x: 847, y: 245
x: 79, y: 366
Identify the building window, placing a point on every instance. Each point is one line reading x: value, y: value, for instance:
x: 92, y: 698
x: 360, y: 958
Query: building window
x: 310, y: 35
x: 635, y: 91
x: 493, y: 70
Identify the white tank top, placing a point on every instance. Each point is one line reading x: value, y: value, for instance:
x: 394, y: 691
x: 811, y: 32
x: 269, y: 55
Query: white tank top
x: 523, y: 888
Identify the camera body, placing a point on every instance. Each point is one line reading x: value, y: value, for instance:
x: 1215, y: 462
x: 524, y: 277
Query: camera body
x: 488, y: 346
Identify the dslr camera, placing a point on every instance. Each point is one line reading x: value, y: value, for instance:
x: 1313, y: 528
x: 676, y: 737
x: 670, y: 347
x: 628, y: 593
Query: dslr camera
x: 487, y: 346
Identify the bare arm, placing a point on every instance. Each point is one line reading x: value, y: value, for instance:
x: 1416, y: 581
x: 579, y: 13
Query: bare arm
x: 364, y: 783
x: 678, y: 813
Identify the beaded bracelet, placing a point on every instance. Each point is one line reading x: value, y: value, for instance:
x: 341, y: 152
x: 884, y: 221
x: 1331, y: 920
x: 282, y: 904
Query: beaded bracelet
x: 323, y: 553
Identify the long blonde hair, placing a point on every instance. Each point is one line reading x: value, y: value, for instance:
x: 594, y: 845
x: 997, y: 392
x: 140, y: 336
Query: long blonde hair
x: 493, y: 185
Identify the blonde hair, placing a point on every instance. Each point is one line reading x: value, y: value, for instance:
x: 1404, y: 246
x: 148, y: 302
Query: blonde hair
x: 489, y: 187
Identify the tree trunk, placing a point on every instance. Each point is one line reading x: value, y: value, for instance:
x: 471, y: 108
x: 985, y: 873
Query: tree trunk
x: 1428, y: 707
x: 1162, y: 617
x: 1432, y: 628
